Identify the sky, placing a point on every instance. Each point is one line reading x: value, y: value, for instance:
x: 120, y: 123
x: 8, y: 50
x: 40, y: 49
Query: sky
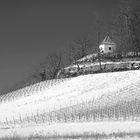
x: 31, y: 29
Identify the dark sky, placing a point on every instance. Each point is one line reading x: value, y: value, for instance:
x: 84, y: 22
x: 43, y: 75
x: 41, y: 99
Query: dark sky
x: 30, y: 29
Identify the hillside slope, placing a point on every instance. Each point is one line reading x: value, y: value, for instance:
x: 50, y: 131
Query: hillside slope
x: 93, y: 91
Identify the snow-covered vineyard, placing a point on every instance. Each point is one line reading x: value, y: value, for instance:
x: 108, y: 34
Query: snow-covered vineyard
x: 108, y: 96
x: 32, y: 89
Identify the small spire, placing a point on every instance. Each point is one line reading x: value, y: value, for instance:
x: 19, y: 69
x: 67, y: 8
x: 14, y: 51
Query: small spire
x: 107, y: 40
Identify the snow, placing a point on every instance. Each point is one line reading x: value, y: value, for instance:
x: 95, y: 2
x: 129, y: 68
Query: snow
x: 88, y: 57
x: 74, y: 129
x: 103, y: 63
x: 126, y: 138
x: 73, y: 91
x: 111, y: 87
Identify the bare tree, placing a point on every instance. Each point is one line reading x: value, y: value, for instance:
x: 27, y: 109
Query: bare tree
x: 119, y: 33
x: 83, y: 44
x: 125, y: 26
x: 47, y: 69
x: 78, y: 49
x: 44, y: 71
x: 135, y: 28
x: 53, y: 65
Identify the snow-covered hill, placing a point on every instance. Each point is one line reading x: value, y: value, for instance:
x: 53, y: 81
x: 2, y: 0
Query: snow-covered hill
x: 101, y: 89
x: 93, y: 97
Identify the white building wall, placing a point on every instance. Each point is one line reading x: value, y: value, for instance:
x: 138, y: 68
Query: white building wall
x: 107, y: 48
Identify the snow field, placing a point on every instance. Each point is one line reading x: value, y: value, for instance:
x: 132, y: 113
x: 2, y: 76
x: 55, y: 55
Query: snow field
x: 93, y: 92
x: 75, y: 129
x: 27, y: 91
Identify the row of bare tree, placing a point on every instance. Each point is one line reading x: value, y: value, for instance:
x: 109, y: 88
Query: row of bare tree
x: 125, y: 27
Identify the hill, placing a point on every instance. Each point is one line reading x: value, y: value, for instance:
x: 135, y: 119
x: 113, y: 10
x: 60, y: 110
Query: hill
x: 98, y: 90
x: 94, y: 97
x: 95, y: 63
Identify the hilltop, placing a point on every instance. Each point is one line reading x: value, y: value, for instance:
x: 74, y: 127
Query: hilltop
x: 93, y: 63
